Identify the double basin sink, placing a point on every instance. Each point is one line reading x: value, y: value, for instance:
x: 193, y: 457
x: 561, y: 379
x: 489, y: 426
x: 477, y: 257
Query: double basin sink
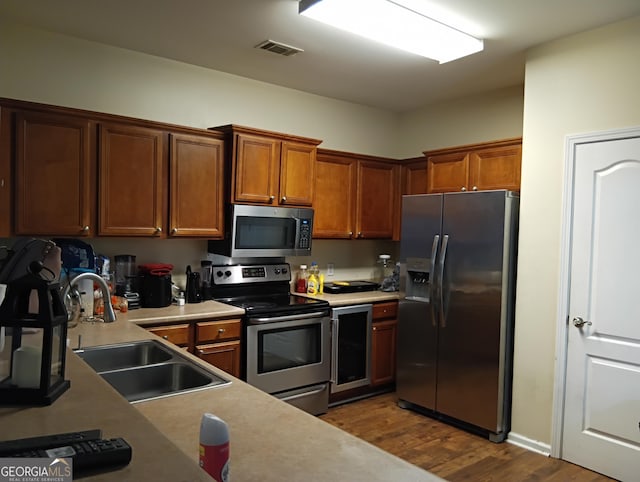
x: 148, y: 370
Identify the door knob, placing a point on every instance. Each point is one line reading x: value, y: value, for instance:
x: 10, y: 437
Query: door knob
x: 579, y: 322
x: 463, y: 189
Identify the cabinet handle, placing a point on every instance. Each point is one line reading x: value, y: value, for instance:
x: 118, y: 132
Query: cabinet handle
x: 359, y: 234
x: 284, y: 199
x: 474, y: 188
x: 351, y: 234
x: 174, y: 231
x: 375, y: 329
x: 221, y: 330
x: 200, y: 352
x: 165, y: 337
x: 271, y: 198
x: 85, y: 229
x: 463, y: 189
x: 158, y: 230
x: 1, y: 182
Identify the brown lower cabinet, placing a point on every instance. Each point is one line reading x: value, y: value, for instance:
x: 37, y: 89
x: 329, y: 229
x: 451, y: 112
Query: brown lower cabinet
x: 218, y: 343
x: 215, y: 341
x: 383, y: 343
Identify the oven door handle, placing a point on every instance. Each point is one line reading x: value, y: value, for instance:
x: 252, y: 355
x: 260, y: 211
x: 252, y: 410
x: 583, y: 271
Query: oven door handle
x: 302, y: 316
x: 305, y: 394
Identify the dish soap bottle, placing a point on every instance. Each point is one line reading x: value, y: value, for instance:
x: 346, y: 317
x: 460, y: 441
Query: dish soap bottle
x: 313, y: 281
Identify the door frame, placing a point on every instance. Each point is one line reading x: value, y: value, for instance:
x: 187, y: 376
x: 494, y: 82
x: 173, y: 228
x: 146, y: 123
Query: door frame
x: 562, y: 316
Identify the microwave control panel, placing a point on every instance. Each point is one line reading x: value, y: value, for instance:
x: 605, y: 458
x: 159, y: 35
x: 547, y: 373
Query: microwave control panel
x: 305, y: 234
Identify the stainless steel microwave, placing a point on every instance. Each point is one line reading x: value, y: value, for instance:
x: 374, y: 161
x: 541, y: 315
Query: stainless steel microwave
x: 265, y: 232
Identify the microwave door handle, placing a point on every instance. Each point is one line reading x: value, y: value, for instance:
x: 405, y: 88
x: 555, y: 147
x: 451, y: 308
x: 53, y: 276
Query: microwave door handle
x: 432, y: 279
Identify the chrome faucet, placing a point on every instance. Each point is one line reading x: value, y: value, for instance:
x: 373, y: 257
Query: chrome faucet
x: 109, y: 314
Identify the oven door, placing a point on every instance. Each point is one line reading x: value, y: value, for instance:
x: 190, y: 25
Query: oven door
x: 288, y: 352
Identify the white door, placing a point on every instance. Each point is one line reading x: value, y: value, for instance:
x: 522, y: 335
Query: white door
x: 602, y: 395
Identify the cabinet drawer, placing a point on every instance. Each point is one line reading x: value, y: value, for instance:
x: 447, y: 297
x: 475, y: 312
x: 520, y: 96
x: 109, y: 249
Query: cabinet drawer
x: 213, y: 331
x: 176, y: 334
x: 385, y: 310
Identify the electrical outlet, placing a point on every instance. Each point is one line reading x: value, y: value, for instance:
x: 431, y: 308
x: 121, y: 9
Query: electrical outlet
x: 329, y: 269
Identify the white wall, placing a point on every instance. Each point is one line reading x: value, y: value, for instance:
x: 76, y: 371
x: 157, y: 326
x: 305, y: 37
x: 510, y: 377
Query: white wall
x: 479, y: 118
x: 45, y: 67
x: 583, y: 83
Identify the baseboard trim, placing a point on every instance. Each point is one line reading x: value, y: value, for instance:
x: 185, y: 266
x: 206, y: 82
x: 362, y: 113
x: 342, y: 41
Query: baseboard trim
x: 529, y: 444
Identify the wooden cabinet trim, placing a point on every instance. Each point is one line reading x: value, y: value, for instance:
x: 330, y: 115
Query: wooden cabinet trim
x: 239, y: 129
x: 474, y: 147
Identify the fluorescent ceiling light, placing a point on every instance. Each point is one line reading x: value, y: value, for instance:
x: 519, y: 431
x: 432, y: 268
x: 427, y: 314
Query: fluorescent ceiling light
x: 393, y: 24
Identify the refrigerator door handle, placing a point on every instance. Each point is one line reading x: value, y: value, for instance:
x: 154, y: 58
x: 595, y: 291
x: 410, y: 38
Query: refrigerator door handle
x: 432, y: 281
x: 443, y: 257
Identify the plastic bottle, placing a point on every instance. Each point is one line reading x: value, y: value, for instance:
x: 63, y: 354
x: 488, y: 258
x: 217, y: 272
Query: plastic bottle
x: 313, y: 282
x: 301, y: 281
x: 214, y: 447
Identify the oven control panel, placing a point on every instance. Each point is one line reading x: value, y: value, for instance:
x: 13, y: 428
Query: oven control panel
x: 257, y: 273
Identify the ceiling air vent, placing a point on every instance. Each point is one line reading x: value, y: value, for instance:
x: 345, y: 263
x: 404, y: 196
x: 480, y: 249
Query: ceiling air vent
x: 278, y: 48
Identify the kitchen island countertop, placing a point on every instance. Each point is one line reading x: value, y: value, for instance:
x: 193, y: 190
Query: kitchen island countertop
x: 270, y: 440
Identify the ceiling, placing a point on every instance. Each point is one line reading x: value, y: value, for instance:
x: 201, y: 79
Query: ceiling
x: 221, y: 35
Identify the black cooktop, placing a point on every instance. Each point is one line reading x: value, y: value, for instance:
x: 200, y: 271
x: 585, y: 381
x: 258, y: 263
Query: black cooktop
x: 277, y: 305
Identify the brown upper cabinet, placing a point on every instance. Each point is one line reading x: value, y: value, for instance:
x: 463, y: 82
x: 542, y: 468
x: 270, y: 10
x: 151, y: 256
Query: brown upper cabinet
x: 477, y: 167
x: 53, y: 174
x: 196, y: 202
x: 356, y: 196
x: 131, y: 181
x: 80, y: 173
x: 270, y: 168
x: 414, y: 176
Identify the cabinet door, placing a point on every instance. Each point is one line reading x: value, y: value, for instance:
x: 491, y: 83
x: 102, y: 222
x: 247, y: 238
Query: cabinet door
x: 414, y: 175
x: 131, y: 173
x: 495, y: 168
x: 257, y: 169
x: 376, y: 201
x: 383, y: 352
x: 225, y: 356
x: 53, y: 175
x: 448, y: 172
x: 196, y: 186
x: 297, y: 172
x: 334, y: 198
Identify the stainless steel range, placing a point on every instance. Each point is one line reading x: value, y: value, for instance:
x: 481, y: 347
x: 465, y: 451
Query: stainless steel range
x: 287, y: 346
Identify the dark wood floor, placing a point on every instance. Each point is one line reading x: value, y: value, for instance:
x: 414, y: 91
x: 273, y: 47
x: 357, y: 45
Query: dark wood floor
x: 445, y: 451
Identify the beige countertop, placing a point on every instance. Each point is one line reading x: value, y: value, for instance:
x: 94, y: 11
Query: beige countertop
x: 270, y: 440
x: 355, y: 298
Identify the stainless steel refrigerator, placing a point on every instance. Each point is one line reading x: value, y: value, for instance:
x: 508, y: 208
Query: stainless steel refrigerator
x: 457, y: 289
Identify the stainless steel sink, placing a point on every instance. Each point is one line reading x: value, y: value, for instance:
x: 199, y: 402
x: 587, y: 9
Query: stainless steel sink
x: 125, y: 355
x: 147, y: 370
